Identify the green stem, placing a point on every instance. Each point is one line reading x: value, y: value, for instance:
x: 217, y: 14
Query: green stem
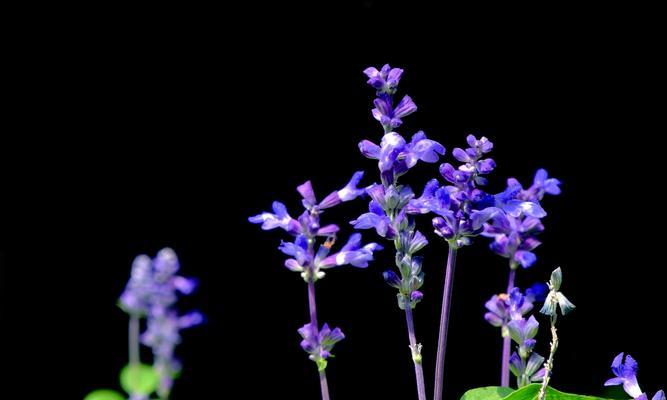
x: 549, y: 365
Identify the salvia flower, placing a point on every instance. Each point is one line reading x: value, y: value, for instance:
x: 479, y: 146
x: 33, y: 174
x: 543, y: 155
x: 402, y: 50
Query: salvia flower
x: 136, y: 296
x: 319, y: 343
x: 306, y: 229
x: 384, y: 80
x: 515, y: 230
x: 153, y: 290
x: 555, y: 298
x: 523, y: 332
x: 504, y: 308
x: 527, y: 370
x: 460, y: 206
x: 626, y: 375
x: 389, y: 211
x: 396, y: 156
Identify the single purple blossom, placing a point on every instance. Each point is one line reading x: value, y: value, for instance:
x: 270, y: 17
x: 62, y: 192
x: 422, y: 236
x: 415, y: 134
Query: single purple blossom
x: 352, y: 253
x: 278, y: 219
x: 384, y: 80
x: 349, y: 192
x: 389, y: 115
x: 626, y: 375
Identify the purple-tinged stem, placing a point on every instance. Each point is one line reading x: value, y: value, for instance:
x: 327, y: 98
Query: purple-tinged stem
x: 507, y: 340
x: 313, y: 320
x: 133, y: 339
x: 324, y: 385
x: 444, y: 322
x: 416, y: 353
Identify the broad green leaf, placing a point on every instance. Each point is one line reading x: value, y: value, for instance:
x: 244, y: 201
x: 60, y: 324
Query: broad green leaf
x: 139, y: 379
x: 530, y: 392
x: 487, y: 393
x: 104, y: 394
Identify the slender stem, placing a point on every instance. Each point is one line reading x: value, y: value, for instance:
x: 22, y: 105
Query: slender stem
x: 324, y: 385
x: 510, y: 281
x: 133, y: 336
x: 444, y: 321
x: 416, y: 353
x: 549, y: 365
x: 311, y: 303
x: 313, y: 320
x: 507, y: 341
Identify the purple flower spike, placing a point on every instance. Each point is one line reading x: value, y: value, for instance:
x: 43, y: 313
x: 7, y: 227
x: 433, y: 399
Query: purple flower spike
x: 514, y: 230
x: 153, y: 291
x: 626, y: 375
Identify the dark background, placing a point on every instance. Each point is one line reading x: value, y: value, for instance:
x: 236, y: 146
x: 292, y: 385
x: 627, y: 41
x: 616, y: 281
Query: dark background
x: 162, y: 127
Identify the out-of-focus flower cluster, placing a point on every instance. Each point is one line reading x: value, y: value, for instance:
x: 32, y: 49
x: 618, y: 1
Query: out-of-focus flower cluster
x: 152, y: 291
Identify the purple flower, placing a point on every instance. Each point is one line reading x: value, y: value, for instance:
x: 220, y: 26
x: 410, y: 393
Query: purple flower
x: 523, y: 331
x: 307, y: 228
x: 396, y: 156
x: 390, y: 116
x: 153, y: 291
x: 527, y: 370
x: 504, y: 308
x: 349, y: 192
x: 460, y: 206
x: 137, y: 293
x: 626, y: 375
x: 514, y: 230
x: 278, y: 219
x: 352, y: 253
x: 385, y: 202
x: 542, y: 185
x: 385, y: 80
x: 319, y: 343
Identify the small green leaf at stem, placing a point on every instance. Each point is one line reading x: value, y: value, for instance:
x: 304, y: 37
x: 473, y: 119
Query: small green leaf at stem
x: 139, y: 379
x: 104, y: 394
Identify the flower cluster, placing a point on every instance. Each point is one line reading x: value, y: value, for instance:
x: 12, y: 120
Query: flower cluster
x: 507, y: 311
x: 626, y: 375
x: 460, y: 206
x: 385, y: 81
x: 514, y: 230
x: 319, y: 343
x: 153, y: 291
x: 504, y: 308
x: 389, y: 213
x: 306, y: 229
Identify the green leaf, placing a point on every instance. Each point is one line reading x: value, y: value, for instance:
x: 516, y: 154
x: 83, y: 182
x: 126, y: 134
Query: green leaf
x: 530, y: 392
x: 104, y: 394
x: 139, y: 379
x: 487, y: 393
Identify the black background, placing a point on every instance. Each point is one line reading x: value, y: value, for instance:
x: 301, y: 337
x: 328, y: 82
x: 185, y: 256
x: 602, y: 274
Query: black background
x: 139, y: 130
